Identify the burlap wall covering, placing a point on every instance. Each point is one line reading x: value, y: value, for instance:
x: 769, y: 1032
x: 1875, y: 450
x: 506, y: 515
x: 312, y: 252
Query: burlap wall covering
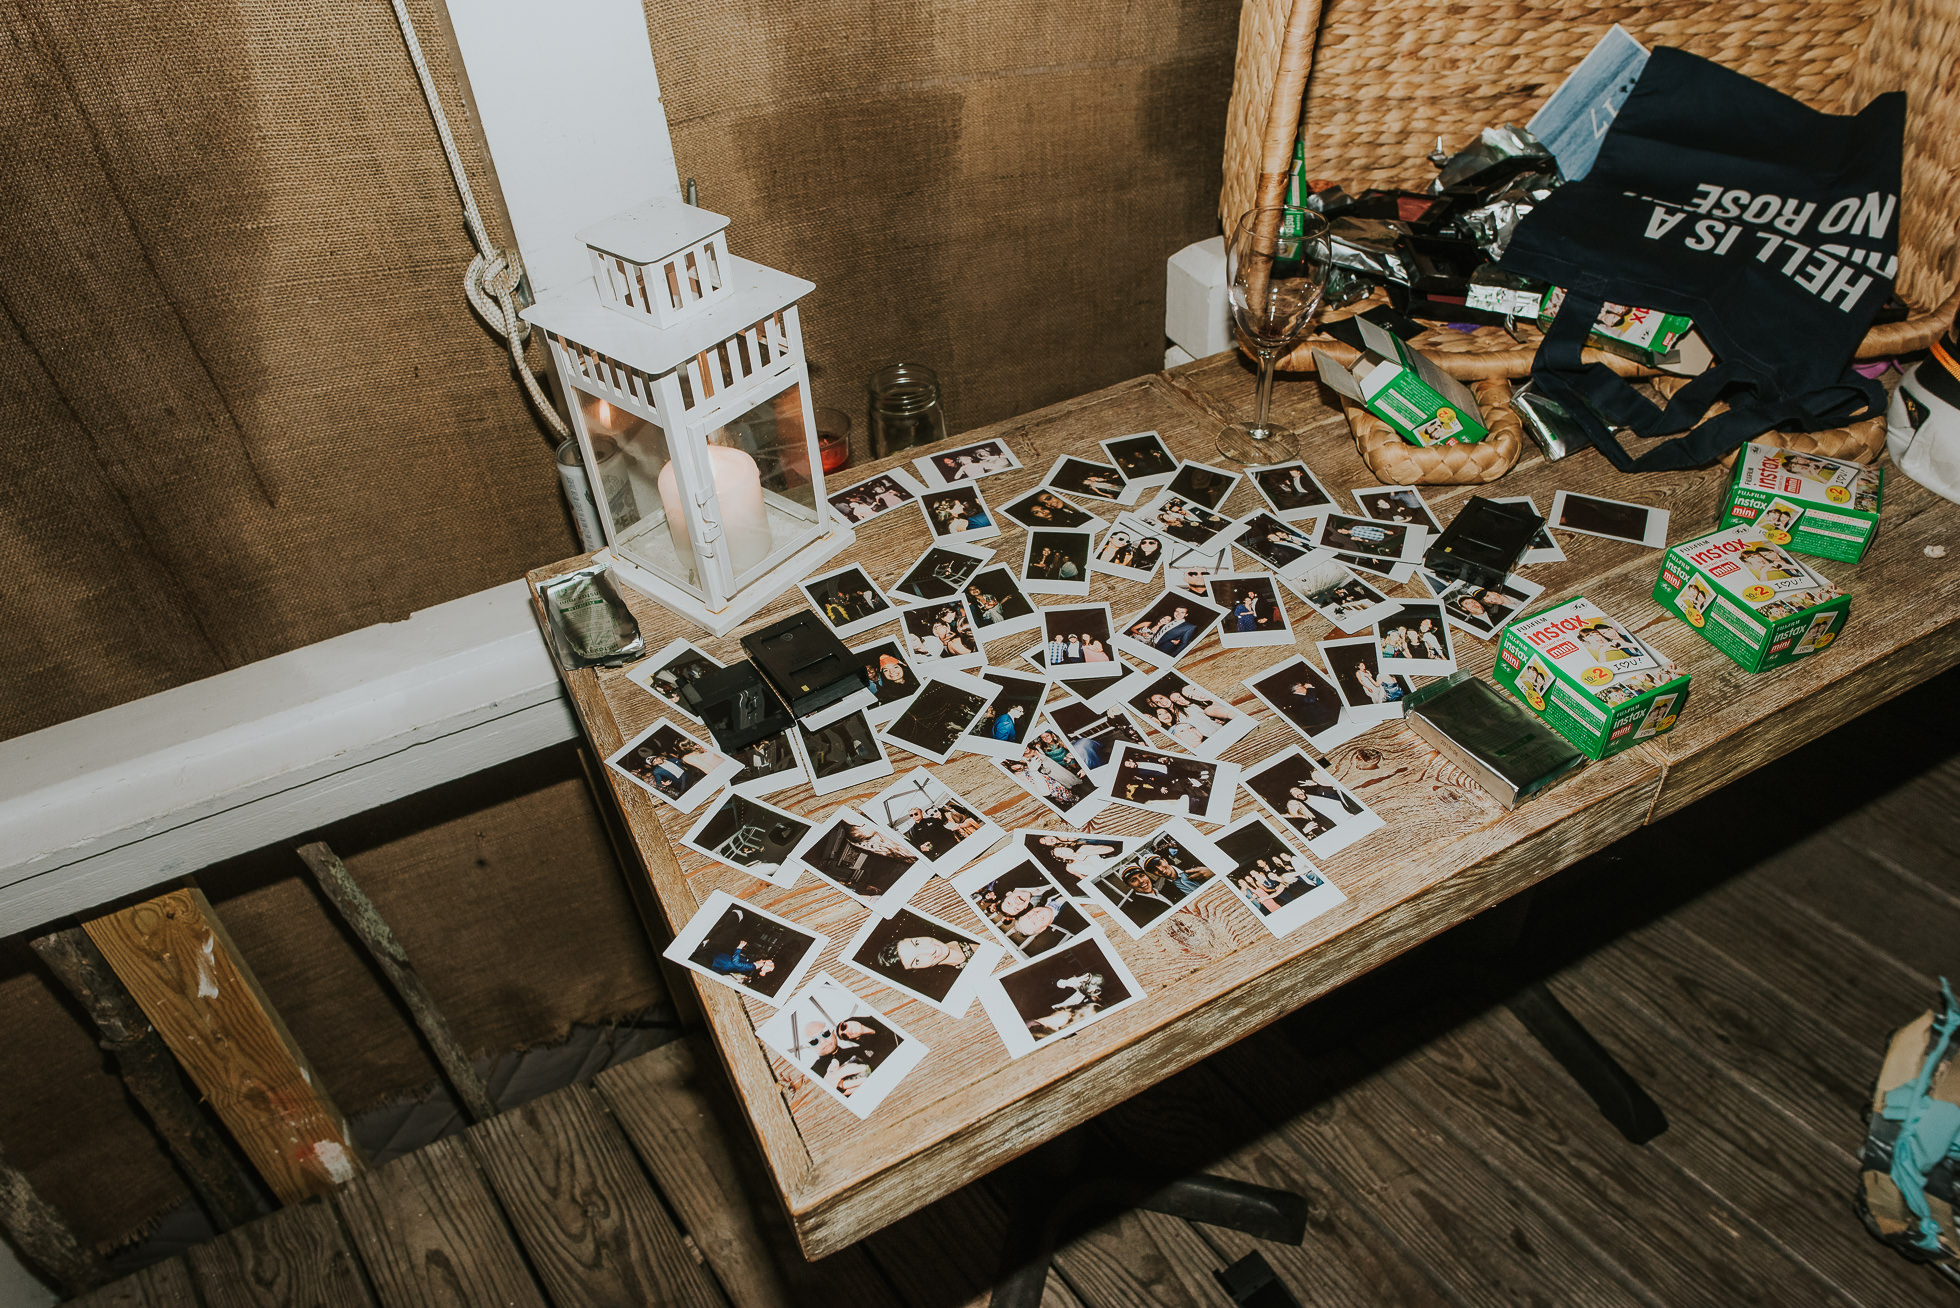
x: 988, y: 188
x: 243, y: 407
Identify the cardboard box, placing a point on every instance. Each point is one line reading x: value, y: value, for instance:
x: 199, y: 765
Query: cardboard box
x: 1590, y: 679
x: 1811, y: 504
x: 1643, y: 335
x: 1405, y: 389
x: 1751, y: 598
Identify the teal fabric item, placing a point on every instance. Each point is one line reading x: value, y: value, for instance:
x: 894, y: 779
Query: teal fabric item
x: 1929, y: 1129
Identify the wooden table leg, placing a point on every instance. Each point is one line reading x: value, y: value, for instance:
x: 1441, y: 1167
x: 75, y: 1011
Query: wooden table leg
x: 191, y: 982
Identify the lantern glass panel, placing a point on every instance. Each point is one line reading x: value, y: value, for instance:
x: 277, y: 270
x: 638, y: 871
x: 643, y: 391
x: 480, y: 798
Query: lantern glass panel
x: 631, y: 454
x: 777, y: 435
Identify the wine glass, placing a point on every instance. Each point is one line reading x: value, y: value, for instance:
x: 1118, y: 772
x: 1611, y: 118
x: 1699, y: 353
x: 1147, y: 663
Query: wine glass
x: 1277, y: 262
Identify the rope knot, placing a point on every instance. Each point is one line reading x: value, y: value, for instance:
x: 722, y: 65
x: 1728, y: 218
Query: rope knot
x: 502, y: 272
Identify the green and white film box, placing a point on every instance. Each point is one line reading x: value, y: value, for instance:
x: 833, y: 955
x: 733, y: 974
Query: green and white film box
x: 1405, y: 389
x: 1590, y: 679
x: 1643, y: 335
x: 1751, y: 598
x: 1807, y: 502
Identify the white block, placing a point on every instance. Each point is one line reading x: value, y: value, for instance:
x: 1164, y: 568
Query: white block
x: 1176, y: 356
x: 1197, y: 315
x: 571, y: 109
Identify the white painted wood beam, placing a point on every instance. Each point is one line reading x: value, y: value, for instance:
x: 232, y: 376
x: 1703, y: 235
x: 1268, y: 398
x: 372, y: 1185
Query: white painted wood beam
x: 133, y: 796
x: 569, y: 104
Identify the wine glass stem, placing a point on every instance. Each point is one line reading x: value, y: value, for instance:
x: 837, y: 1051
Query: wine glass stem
x: 1267, y: 363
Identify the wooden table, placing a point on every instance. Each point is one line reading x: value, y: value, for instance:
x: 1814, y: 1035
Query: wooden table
x: 1213, y: 974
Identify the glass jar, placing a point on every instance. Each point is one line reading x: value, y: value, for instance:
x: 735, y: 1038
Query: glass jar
x: 904, y: 409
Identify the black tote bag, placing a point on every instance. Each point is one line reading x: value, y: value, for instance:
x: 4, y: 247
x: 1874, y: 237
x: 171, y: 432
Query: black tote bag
x: 1774, y: 226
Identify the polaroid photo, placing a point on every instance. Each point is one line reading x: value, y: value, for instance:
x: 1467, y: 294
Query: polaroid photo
x: 939, y: 635
x: 673, y: 766
x: 1370, y: 694
x: 1544, y: 546
x: 746, y: 948
x: 1203, y: 484
x: 871, y: 865
x: 1076, y: 642
x: 1047, y: 769
x: 1384, y: 543
x: 1184, y: 713
x: 1056, y: 562
x: 750, y: 836
x: 1025, y: 908
x: 1415, y: 641
x: 1130, y: 549
x: 1041, y: 508
x: 1040, y: 1003
x: 1159, y: 781
x: 1091, y: 734
x: 677, y: 664
x: 1190, y: 524
x: 1398, y: 573
x: 1085, y: 478
x: 1403, y: 504
x: 1087, y: 688
x: 1483, y: 611
x: 1331, y: 589
x: 968, y: 463
x: 768, y: 765
x: 933, y: 722
x: 1003, y: 728
x: 1254, y: 612
x: 1291, y: 490
x: 1071, y: 859
x: 1306, y: 699
x: 1306, y: 798
x: 927, y: 814
x: 940, y: 573
x: 923, y: 958
x: 843, y: 754
x: 1285, y: 548
x: 1167, y: 630
x: 850, y: 602
x: 1163, y: 873
x: 889, y: 673
x: 1589, y: 515
x: 996, y: 606
x: 876, y: 496
x: 841, y: 1045
x: 1192, y: 571
x: 1144, y: 460
x: 959, y: 514
x: 1272, y: 878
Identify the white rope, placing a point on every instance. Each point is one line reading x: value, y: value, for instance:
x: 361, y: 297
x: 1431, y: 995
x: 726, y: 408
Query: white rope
x: 491, y: 280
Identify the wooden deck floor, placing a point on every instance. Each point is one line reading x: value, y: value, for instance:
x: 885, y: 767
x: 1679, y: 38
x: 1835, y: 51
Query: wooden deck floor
x: 1746, y: 960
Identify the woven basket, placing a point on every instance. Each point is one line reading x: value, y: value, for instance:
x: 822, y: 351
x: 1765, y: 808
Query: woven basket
x: 1399, y: 463
x: 1860, y: 442
x: 1389, y: 76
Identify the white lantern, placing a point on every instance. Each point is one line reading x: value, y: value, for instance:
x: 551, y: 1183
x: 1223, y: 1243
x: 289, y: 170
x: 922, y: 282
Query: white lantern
x: 691, y: 397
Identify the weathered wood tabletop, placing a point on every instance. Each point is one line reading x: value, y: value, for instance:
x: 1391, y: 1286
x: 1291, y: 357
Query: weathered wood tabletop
x: 1212, y: 973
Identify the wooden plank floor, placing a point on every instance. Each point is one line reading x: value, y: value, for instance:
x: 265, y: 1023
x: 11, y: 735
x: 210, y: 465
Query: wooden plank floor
x: 1746, y: 959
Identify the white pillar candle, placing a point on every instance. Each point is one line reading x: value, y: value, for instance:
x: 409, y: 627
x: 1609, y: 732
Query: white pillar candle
x: 737, y: 483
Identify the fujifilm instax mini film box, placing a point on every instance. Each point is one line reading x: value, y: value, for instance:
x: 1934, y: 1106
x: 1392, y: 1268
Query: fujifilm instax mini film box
x: 1751, y: 598
x: 1590, y: 679
x: 1811, y: 504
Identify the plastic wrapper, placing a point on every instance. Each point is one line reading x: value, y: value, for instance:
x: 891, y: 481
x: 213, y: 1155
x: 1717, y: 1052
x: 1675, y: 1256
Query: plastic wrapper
x: 590, y: 623
x: 1497, y: 155
x: 1371, y: 246
x: 1549, y: 425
